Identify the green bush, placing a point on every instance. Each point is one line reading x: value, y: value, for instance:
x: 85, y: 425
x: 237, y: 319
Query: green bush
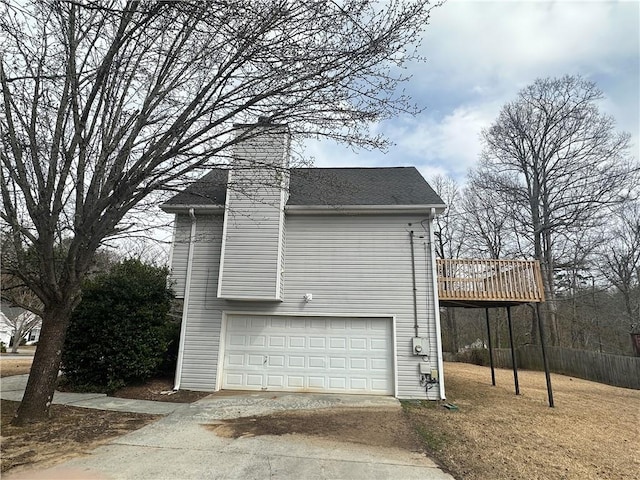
x: 121, y: 330
x: 3, y: 348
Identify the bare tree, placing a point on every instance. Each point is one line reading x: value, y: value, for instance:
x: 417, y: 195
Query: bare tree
x: 106, y: 102
x: 556, y: 156
x: 487, y: 222
x: 21, y: 326
x: 449, y: 236
x: 620, y: 260
x: 449, y: 227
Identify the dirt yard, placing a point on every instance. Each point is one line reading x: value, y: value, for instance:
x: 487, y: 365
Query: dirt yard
x: 70, y: 432
x: 593, y: 433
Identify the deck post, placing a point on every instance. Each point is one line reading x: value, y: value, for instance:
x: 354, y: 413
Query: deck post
x: 513, y: 352
x: 544, y: 356
x: 493, y: 373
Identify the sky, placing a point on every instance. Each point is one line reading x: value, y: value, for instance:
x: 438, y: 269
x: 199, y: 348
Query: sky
x: 480, y: 54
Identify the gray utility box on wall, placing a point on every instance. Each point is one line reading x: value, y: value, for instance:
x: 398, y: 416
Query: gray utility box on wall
x: 420, y: 346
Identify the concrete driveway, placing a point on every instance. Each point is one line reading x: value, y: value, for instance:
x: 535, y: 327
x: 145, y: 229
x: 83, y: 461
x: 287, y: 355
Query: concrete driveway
x: 179, y: 446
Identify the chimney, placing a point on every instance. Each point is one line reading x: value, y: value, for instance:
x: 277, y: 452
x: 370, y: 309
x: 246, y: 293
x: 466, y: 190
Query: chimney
x: 252, y: 257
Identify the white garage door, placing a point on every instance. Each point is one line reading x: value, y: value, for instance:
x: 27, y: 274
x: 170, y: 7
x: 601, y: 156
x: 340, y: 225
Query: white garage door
x: 308, y: 354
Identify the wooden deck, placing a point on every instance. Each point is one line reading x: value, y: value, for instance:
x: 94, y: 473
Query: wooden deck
x: 480, y: 283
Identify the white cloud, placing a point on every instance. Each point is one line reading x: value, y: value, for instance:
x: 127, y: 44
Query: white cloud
x: 450, y: 145
x: 518, y: 41
x: 480, y: 54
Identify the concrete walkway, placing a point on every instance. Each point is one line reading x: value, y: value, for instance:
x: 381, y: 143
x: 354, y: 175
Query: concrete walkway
x: 183, y: 444
x: 12, y: 388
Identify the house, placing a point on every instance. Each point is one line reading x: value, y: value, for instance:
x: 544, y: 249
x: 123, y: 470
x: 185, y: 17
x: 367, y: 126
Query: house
x: 306, y: 279
x: 12, y: 318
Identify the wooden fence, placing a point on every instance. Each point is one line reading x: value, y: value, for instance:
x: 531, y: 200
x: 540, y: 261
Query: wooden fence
x: 617, y: 370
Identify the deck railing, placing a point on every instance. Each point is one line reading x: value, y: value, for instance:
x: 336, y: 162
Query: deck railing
x: 490, y: 280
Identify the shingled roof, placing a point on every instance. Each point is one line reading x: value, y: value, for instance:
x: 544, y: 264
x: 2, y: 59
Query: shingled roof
x: 327, y: 187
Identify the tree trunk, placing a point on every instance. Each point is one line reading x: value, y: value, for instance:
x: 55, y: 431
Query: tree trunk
x: 17, y: 339
x: 534, y: 327
x: 451, y: 338
x: 39, y: 392
x: 451, y: 315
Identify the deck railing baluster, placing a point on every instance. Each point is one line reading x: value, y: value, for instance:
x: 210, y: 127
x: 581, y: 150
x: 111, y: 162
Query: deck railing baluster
x: 489, y: 280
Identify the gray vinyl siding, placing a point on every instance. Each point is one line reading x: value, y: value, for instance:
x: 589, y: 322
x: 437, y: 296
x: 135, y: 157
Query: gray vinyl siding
x: 180, y: 254
x: 202, y: 334
x: 251, y: 255
x: 352, y: 265
x: 361, y: 265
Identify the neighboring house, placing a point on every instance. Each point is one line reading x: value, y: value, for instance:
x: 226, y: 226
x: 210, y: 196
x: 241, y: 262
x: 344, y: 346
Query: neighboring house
x: 479, y: 343
x: 12, y: 318
x: 307, y: 279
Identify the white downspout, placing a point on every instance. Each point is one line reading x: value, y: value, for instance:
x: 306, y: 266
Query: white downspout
x: 185, y: 306
x: 436, y: 304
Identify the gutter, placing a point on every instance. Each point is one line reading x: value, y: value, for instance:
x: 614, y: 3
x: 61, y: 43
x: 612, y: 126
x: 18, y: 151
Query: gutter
x: 187, y: 207
x: 185, y: 306
x: 321, y: 209
x: 363, y: 209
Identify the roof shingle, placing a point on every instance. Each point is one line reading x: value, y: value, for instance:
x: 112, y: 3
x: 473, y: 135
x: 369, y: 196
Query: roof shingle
x: 327, y: 187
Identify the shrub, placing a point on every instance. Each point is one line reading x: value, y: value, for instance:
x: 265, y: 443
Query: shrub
x: 120, y: 331
x: 3, y: 348
x: 477, y: 356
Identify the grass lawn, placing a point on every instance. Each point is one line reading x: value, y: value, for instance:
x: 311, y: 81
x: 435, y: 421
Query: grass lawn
x: 592, y: 433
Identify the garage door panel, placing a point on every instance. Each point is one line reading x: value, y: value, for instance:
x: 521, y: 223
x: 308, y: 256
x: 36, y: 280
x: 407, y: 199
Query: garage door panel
x: 296, y: 362
x: 318, y: 323
x: 277, y: 341
x: 236, y: 360
x: 317, y: 362
x: 277, y: 322
x: 358, y: 363
x: 338, y: 324
x: 276, y: 360
x: 341, y: 355
x: 257, y: 341
x: 275, y: 380
x: 317, y: 342
x: 317, y: 382
x: 337, y: 363
x: 254, y: 360
x: 296, y: 382
x: 358, y: 383
x: 234, y: 379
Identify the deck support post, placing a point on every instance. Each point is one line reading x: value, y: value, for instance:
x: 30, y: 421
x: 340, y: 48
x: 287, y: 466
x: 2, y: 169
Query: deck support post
x: 545, y: 361
x: 493, y: 373
x: 513, y: 352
